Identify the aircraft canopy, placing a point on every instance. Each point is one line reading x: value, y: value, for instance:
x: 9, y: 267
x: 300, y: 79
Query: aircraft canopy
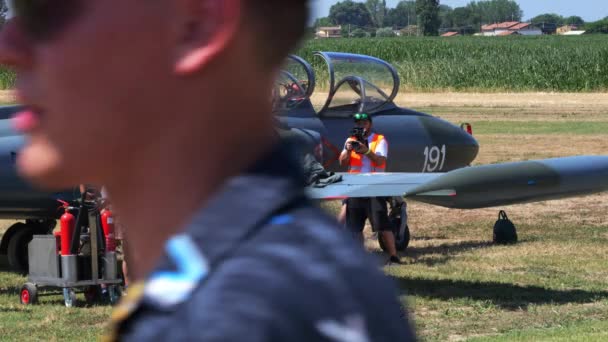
x: 355, y: 83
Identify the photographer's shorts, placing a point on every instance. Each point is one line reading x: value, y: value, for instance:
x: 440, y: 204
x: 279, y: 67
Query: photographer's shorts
x: 372, y: 208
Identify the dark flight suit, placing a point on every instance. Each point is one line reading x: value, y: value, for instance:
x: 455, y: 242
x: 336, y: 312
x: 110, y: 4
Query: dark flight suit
x: 261, y: 263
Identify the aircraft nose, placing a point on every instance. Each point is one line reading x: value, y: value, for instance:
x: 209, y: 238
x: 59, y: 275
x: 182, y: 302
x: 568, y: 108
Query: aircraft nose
x: 7, y: 127
x: 467, y: 138
x: 7, y: 112
x: 465, y: 144
x: 461, y: 147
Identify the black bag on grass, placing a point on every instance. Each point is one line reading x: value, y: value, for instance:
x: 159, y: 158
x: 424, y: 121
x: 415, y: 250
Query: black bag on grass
x: 504, y: 230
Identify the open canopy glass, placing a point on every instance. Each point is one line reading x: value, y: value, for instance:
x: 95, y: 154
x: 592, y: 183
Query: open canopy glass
x: 357, y: 83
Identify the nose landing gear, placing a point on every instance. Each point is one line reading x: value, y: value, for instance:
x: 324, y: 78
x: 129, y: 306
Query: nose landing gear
x: 398, y: 220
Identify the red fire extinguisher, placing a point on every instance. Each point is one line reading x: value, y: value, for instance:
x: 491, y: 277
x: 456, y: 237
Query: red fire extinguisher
x: 107, y: 223
x: 67, y: 223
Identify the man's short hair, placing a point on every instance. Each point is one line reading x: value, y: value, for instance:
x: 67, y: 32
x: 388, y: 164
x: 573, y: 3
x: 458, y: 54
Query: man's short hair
x: 281, y: 24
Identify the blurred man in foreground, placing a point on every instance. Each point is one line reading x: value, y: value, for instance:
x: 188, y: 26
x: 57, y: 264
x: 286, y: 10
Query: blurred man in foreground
x: 224, y: 243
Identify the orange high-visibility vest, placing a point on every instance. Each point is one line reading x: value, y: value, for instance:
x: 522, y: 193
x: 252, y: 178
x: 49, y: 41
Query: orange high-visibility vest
x: 356, y: 160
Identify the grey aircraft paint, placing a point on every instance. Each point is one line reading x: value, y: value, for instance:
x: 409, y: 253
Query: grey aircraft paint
x: 19, y: 200
x: 482, y: 186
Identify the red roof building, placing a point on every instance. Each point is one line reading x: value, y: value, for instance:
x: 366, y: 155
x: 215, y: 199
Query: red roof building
x: 507, y: 24
x: 510, y: 27
x: 520, y: 26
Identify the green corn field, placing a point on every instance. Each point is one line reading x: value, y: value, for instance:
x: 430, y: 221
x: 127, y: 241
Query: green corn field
x: 543, y: 63
x: 7, y: 78
x: 481, y: 64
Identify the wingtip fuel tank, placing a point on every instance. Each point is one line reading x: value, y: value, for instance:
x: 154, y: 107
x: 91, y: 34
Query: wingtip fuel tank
x: 518, y: 182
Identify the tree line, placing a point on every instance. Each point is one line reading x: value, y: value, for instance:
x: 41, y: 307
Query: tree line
x: 429, y: 17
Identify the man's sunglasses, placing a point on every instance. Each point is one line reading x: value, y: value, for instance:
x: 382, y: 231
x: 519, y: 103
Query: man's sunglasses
x: 42, y: 19
x: 360, y: 117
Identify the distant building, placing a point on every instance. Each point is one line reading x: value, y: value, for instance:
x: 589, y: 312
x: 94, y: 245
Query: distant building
x: 450, y: 34
x: 510, y: 28
x: 570, y: 30
x: 566, y: 28
x: 508, y: 33
x: 573, y: 33
x: 497, y: 28
x: 526, y: 29
x: 411, y: 30
x: 329, y: 32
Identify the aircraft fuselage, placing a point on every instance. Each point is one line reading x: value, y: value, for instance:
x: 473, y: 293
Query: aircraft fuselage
x: 418, y: 142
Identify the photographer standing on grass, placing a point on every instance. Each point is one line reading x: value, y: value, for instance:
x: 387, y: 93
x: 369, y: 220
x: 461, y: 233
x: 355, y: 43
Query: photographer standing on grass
x: 364, y: 152
x: 224, y: 245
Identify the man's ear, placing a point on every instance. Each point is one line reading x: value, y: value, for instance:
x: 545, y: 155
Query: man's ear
x: 203, y: 29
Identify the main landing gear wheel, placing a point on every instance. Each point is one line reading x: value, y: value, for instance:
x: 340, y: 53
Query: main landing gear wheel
x: 17, y: 247
x: 92, y: 294
x: 19, y: 236
x: 398, y: 220
x: 505, y: 232
x: 401, y: 241
x: 28, y: 294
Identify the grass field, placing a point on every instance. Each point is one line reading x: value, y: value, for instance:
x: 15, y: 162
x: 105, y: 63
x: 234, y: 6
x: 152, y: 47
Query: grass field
x: 552, y: 286
x: 542, y: 63
x: 49, y: 320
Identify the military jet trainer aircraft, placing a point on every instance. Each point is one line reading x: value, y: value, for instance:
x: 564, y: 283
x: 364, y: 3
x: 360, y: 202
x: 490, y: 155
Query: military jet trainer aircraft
x: 429, y: 157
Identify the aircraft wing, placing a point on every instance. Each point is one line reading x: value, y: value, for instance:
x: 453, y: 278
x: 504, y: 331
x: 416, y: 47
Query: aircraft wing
x: 481, y: 186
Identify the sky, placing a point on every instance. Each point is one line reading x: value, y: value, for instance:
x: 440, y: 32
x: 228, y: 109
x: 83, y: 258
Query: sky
x: 589, y: 10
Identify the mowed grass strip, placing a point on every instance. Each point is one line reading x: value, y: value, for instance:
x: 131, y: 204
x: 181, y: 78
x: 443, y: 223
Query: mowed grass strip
x: 540, y: 127
x: 529, y: 121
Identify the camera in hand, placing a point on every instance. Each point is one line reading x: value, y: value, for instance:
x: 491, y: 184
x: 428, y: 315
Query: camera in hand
x: 358, y: 133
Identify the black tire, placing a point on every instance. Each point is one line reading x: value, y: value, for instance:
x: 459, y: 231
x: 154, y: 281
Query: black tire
x: 92, y: 294
x: 398, y: 211
x: 28, y: 294
x: 16, y: 252
x: 401, y: 242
